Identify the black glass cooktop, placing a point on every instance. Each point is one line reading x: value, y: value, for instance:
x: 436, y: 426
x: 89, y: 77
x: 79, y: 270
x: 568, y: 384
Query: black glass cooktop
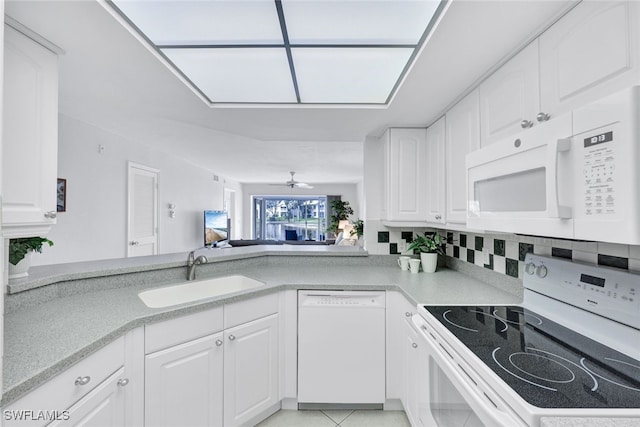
x: 547, y: 364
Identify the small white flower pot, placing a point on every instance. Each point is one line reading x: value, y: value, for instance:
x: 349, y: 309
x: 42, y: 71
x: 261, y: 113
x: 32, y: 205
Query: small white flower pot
x: 21, y: 269
x: 429, y: 262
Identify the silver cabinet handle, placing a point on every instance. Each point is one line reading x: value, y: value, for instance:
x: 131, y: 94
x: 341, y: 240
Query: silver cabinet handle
x: 526, y: 124
x: 438, y: 217
x: 543, y: 117
x: 51, y: 214
x: 83, y: 380
x: 414, y: 345
x: 232, y: 337
x: 408, y: 314
x: 123, y: 382
x: 134, y: 243
x: 219, y: 342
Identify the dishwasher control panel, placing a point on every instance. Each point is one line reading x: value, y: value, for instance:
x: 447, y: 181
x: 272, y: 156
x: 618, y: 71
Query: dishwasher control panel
x: 372, y: 299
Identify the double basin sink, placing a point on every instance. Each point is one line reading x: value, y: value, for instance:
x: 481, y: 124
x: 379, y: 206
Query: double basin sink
x: 197, y: 290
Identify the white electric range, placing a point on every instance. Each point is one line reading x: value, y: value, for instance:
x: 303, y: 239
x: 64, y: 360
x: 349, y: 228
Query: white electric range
x: 571, y: 349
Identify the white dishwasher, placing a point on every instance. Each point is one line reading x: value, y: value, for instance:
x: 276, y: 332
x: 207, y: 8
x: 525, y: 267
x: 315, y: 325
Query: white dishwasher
x: 341, y: 347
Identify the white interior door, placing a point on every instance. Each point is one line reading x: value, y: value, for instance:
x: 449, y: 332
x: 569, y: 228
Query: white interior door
x: 142, y: 221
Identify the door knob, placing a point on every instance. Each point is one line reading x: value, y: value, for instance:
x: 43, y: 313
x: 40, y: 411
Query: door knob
x: 525, y: 124
x: 218, y: 343
x: 232, y: 337
x: 123, y: 382
x: 83, y: 380
x: 543, y: 117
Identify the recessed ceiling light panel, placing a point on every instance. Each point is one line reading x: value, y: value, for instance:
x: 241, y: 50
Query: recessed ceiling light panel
x: 204, y: 22
x: 286, y: 51
x: 357, y: 22
x: 348, y: 75
x: 237, y: 74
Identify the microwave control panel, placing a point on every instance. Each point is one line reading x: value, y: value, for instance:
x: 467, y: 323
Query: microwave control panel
x: 599, y: 171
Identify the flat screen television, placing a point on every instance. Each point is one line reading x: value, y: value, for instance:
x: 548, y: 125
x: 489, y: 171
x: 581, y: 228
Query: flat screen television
x: 216, y: 227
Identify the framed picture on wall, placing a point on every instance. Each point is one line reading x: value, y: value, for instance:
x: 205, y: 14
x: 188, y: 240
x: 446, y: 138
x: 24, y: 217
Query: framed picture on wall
x: 61, y: 204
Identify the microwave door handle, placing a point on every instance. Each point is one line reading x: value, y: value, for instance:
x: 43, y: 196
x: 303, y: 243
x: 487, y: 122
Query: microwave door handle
x: 555, y: 209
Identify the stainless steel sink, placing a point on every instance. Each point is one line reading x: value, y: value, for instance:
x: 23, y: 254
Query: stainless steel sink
x: 194, y: 291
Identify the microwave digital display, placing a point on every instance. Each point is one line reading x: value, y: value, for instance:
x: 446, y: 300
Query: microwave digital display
x: 598, y: 139
x: 592, y: 280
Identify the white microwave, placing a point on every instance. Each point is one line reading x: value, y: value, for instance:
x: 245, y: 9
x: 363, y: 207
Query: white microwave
x: 576, y: 176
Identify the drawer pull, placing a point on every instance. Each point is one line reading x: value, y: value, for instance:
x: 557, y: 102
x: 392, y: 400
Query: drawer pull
x: 232, y: 337
x: 83, y: 380
x: 122, y: 382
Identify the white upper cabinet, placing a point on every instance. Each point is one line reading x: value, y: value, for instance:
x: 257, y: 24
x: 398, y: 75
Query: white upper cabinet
x: 405, y: 175
x: 591, y: 52
x: 30, y: 136
x: 462, y: 137
x: 435, y: 184
x: 510, y: 98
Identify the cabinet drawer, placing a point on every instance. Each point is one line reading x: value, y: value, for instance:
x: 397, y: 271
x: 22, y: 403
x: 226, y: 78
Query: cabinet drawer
x: 61, y: 392
x: 241, y: 312
x: 168, y: 333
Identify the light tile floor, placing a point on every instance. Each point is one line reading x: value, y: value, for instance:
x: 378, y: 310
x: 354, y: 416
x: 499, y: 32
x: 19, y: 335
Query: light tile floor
x: 333, y: 418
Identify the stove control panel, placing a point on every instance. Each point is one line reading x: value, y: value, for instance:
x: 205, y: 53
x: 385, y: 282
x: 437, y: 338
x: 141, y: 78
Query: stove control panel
x: 608, y: 292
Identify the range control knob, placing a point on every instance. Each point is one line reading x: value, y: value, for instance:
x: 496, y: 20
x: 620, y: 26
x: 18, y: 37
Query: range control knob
x: 541, y: 271
x: 530, y: 268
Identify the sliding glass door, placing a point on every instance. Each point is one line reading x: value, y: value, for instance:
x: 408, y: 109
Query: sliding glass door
x: 289, y: 218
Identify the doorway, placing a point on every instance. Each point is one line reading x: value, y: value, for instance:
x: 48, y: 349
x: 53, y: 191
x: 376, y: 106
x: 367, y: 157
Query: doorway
x: 142, y: 207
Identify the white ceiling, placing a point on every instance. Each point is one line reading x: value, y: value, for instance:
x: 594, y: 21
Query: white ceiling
x: 109, y: 79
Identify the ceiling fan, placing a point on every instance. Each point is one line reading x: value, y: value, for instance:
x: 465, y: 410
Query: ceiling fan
x: 292, y: 183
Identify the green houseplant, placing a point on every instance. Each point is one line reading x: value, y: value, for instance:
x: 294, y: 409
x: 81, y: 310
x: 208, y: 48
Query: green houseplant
x: 430, y: 244
x: 19, y: 254
x: 358, y: 228
x: 340, y: 211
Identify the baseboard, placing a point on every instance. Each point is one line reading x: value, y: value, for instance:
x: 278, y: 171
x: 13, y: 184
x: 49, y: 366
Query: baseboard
x: 393, y: 405
x: 262, y: 415
x: 339, y: 406
x: 289, y: 404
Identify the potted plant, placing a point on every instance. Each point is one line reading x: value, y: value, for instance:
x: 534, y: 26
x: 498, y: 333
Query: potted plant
x: 340, y: 211
x: 358, y: 228
x: 20, y: 251
x: 429, y: 245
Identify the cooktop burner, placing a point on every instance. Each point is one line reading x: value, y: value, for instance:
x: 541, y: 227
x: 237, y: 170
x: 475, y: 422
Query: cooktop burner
x: 547, y: 364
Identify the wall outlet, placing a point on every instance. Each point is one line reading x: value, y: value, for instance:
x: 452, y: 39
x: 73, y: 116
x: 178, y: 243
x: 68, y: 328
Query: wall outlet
x: 485, y: 256
x: 402, y: 246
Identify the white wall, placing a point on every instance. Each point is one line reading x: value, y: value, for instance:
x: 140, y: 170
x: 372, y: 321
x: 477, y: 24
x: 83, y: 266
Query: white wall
x: 95, y: 223
x: 349, y: 192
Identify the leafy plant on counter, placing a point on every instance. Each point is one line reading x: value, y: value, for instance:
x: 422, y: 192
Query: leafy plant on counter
x: 430, y: 242
x: 18, y: 248
x: 340, y: 211
x: 358, y: 228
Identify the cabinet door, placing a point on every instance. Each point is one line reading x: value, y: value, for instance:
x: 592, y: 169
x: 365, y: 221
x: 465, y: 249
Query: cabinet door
x: 435, y: 182
x: 398, y: 309
x: 590, y: 53
x: 250, y: 370
x: 462, y: 137
x: 104, y: 406
x: 183, y: 384
x: 412, y: 360
x: 510, y: 96
x: 30, y: 136
x: 407, y: 175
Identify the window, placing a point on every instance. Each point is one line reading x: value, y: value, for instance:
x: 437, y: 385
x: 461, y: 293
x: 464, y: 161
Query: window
x: 289, y: 218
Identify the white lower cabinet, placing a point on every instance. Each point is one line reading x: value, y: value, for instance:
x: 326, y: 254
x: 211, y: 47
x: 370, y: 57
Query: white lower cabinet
x: 100, y: 390
x: 183, y: 384
x: 104, y: 406
x: 229, y: 377
x: 411, y: 362
x: 250, y: 370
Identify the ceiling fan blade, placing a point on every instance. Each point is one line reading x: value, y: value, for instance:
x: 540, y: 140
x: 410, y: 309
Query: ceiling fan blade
x: 303, y: 185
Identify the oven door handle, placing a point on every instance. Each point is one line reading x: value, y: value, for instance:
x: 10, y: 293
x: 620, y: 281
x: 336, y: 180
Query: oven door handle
x: 483, y: 401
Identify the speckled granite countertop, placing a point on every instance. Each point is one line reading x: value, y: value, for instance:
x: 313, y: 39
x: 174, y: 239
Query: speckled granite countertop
x: 44, y: 339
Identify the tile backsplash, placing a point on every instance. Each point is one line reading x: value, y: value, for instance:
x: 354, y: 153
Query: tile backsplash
x: 504, y: 253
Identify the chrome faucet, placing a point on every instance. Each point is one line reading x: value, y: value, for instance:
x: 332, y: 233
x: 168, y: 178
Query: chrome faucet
x: 192, y: 261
